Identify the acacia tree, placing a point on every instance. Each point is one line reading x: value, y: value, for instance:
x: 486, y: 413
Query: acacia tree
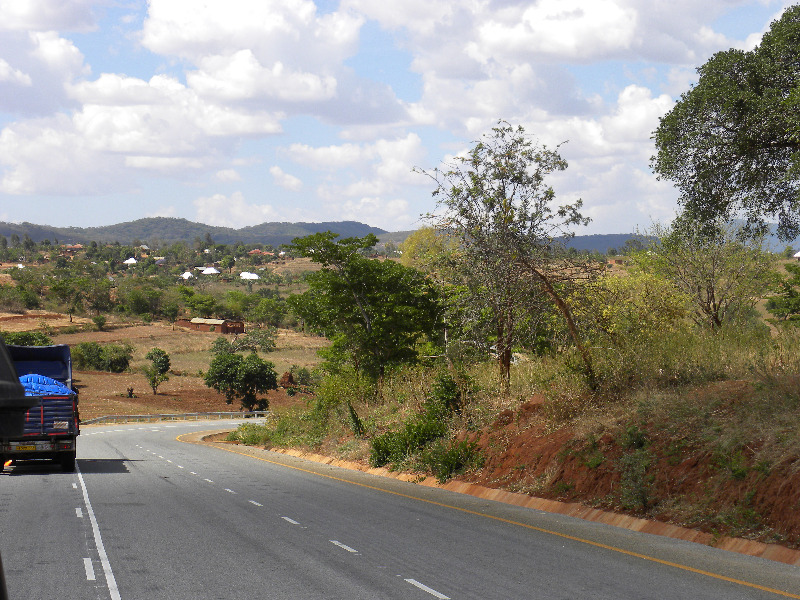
x: 731, y: 144
x: 719, y: 271
x: 497, y: 204
x: 374, y: 312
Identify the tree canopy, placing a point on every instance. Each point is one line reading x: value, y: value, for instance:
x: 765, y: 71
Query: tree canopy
x: 731, y: 144
x: 497, y: 203
x: 374, y: 311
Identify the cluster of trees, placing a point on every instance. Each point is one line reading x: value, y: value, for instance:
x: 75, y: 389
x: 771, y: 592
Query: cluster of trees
x: 493, y: 273
x: 81, y: 287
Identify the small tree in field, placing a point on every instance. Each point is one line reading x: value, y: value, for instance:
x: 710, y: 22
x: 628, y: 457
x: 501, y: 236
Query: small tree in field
x: 243, y: 378
x: 156, y: 373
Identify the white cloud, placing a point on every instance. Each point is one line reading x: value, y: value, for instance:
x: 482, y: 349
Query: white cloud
x: 15, y: 76
x: 375, y: 210
x: 232, y: 211
x: 47, y: 15
x: 228, y: 175
x: 241, y: 76
x: 567, y: 29
x: 159, y: 126
x: 35, y: 67
x: 285, y: 180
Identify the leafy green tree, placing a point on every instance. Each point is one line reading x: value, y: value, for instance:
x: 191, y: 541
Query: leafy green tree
x: 156, y: 372
x: 731, y: 144
x: 497, y: 204
x: 428, y: 250
x: 375, y: 312
x: 227, y: 262
x: 262, y: 339
x: 202, y: 305
x: 268, y: 311
x: 243, y: 378
x: 786, y: 305
x: 719, y: 273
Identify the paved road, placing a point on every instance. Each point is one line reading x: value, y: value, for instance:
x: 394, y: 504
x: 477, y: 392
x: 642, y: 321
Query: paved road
x: 148, y: 516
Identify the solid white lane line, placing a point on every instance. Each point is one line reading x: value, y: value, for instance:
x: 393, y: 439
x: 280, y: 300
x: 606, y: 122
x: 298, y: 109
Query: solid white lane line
x: 229, y: 491
x: 292, y: 521
x: 89, y: 568
x: 98, y: 541
x: 78, y: 512
x: 256, y: 503
x: 425, y: 588
x: 343, y: 547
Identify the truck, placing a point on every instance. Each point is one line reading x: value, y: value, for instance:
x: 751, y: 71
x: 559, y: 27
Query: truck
x: 52, y: 425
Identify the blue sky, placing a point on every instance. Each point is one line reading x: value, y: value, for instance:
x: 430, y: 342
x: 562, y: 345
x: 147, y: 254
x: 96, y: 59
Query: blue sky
x: 237, y: 112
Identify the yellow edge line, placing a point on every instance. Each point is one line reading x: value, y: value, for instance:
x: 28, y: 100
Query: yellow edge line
x: 526, y: 526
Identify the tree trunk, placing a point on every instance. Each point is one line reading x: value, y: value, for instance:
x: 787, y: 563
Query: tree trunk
x: 571, y: 326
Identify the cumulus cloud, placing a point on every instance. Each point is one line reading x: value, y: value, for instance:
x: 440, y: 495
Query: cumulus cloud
x: 47, y: 15
x: 285, y: 180
x: 15, y: 76
x: 158, y: 126
x: 35, y: 68
x: 232, y: 211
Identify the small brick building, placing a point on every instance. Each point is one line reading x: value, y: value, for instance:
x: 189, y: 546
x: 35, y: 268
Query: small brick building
x: 216, y: 325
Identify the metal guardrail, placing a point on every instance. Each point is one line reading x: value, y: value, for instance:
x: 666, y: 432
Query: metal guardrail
x: 175, y: 417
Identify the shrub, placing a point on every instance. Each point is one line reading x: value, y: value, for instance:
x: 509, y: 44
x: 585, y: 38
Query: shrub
x: 445, y: 459
x: 115, y: 358
x: 99, y: 322
x: 26, y: 338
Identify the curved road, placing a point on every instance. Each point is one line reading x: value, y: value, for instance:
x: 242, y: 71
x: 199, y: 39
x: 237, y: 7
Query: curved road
x: 148, y: 516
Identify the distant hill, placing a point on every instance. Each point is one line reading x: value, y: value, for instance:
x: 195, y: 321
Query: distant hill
x: 170, y: 230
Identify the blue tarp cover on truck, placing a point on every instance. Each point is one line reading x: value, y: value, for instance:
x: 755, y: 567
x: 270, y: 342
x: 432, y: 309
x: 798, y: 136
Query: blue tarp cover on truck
x: 56, y: 413
x: 39, y: 385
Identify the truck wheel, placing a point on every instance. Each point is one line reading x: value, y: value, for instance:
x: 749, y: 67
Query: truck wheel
x: 68, y: 463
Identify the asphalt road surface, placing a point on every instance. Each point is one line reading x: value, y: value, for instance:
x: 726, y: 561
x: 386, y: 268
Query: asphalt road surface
x: 149, y: 516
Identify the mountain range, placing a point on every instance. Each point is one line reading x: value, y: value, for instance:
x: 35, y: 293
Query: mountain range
x: 158, y: 230
x: 167, y: 230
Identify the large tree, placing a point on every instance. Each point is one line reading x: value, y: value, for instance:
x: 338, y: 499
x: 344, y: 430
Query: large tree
x: 495, y: 200
x: 374, y: 311
x: 731, y: 144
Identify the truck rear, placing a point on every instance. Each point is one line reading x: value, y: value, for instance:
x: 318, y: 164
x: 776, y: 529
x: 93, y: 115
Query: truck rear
x: 52, y: 425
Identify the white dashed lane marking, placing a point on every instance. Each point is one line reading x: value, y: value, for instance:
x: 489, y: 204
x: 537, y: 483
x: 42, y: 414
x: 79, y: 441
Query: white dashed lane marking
x: 343, y: 546
x: 89, y: 568
x: 425, y: 588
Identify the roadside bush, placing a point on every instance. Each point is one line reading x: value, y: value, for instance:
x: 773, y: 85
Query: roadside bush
x: 416, y: 433
x: 446, y: 459
x: 115, y: 358
x: 26, y: 338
